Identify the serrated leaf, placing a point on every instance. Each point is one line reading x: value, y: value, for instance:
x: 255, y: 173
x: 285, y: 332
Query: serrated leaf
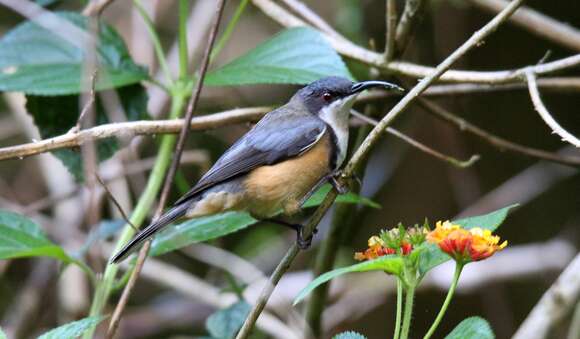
x: 432, y: 256
x: 211, y: 227
x: 2, y: 334
x: 34, y: 60
x: 21, y: 238
x: 224, y: 324
x: 472, y: 328
x: 349, y: 335
x: 348, y: 198
x: 58, y: 114
x: 390, y: 263
x: 72, y: 330
x: 294, y: 56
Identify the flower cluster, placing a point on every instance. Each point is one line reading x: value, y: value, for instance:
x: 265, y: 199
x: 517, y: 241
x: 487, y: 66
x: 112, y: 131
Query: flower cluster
x: 465, y: 245
x: 395, y: 241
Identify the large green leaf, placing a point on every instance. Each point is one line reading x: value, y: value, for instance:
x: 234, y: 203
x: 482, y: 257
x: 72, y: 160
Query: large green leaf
x: 294, y: 56
x: 72, y: 330
x: 224, y: 324
x: 349, y: 335
x: 433, y: 256
x: 56, y: 115
x: 37, y: 61
x: 348, y: 198
x: 472, y: 328
x: 20, y: 238
x: 207, y: 228
x: 390, y: 263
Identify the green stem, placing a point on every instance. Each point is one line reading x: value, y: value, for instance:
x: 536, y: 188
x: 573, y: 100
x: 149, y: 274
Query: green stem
x: 88, y: 271
x: 458, y: 268
x: 228, y: 31
x: 104, y: 287
x: 155, y: 40
x: 399, y: 308
x: 183, y: 59
x: 408, y: 312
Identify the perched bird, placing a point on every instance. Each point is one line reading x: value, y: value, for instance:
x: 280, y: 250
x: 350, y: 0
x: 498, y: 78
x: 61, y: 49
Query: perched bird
x: 278, y: 164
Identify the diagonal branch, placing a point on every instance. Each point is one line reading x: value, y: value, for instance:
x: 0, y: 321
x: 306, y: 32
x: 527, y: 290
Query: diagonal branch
x: 543, y: 111
x: 364, y: 150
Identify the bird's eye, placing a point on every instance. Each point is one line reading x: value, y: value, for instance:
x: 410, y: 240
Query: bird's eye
x: 327, y: 96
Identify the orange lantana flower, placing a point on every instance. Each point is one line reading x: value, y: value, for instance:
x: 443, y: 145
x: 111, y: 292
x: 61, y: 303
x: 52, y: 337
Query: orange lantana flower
x: 465, y: 245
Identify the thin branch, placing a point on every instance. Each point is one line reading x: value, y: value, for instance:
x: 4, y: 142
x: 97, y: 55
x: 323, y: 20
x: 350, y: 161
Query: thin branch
x: 390, y: 29
x: 494, y: 140
x: 363, y: 151
x: 131, y: 129
x: 349, y: 49
x: 420, y: 146
x: 537, y: 23
x: 115, y: 202
x: 96, y: 7
x: 410, y: 18
x: 191, y: 106
x: 553, y: 305
x: 312, y: 17
x: 544, y: 114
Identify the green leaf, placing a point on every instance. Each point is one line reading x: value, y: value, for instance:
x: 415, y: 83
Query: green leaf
x: 348, y: 198
x: 35, y: 60
x: 294, y: 56
x: 432, y: 256
x: 21, y: 238
x: 198, y: 230
x: 390, y: 263
x: 349, y: 335
x: 72, y: 330
x: 2, y: 334
x: 224, y: 324
x: 472, y: 328
x: 57, y: 115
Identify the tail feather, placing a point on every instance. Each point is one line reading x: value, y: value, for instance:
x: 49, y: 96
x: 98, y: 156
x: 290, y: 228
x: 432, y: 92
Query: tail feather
x: 167, y: 218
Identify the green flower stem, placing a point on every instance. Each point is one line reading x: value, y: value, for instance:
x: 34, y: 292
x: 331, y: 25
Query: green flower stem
x: 155, y: 40
x: 183, y: 59
x: 228, y: 31
x: 408, y: 311
x: 399, y: 308
x: 105, y: 286
x: 458, y: 269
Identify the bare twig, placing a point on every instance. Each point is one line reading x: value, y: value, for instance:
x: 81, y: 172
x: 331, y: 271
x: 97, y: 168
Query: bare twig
x: 129, y: 129
x: 89, y: 104
x: 363, y: 151
x: 537, y: 23
x: 409, y: 20
x: 390, y: 29
x: 349, y: 49
x: 96, y: 7
x: 420, y: 146
x: 553, y: 305
x: 494, y: 140
x: 544, y: 114
x: 116, y: 317
x: 300, y: 8
x: 115, y: 202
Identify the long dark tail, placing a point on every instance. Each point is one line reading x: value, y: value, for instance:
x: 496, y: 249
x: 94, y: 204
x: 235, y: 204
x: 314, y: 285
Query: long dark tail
x: 173, y: 214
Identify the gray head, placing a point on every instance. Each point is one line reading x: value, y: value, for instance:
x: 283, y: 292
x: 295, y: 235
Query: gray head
x: 337, y: 92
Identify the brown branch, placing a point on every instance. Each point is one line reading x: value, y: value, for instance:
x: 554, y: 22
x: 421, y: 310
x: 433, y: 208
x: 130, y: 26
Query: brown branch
x: 554, y: 304
x: 543, y: 111
x: 410, y: 18
x: 362, y: 153
x: 349, y: 49
x: 390, y: 29
x: 96, y: 7
x: 131, y: 129
x: 494, y: 140
x: 191, y: 106
x: 418, y: 145
x: 537, y: 23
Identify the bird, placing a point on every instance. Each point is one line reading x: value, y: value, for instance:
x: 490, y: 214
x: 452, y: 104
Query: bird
x: 278, y: 164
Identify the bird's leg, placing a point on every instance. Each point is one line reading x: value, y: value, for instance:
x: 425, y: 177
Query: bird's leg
x: 343, y: 188
x: 302, y: 242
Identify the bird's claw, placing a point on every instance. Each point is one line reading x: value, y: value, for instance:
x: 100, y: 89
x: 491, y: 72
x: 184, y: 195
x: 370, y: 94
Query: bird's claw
x: 342, y: 188
x: 302, y: 242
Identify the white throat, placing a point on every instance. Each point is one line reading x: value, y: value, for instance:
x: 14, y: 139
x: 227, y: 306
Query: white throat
x: 336, y: 116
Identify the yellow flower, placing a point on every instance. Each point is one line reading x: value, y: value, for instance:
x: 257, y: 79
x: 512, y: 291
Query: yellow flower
x: 465, y: 245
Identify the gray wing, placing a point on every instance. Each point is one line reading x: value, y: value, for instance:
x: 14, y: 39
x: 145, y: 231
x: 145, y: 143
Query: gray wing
x: 277, y: 137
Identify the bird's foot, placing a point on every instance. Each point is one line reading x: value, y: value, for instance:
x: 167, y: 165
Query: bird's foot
x: 342, y: 184
x: 302, y: 242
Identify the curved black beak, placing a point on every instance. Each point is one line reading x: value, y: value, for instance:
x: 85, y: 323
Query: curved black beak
x: 364, y: 85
